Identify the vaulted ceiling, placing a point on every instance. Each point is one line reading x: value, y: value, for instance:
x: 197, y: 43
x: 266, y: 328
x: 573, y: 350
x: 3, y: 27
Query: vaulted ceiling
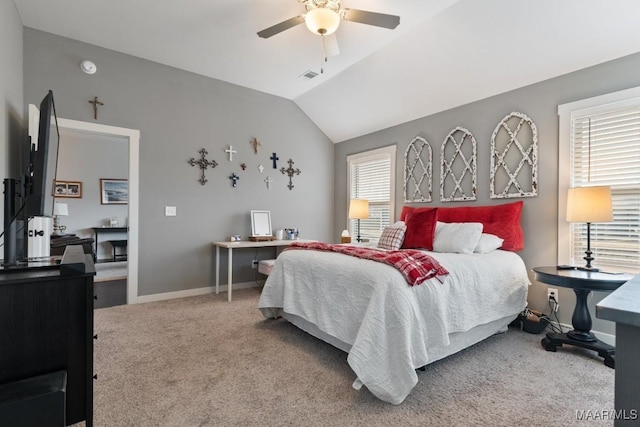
x: 444, y: 53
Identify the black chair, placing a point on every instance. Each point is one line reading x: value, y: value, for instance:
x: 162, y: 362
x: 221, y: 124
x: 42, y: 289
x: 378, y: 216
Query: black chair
x: 119, y: 244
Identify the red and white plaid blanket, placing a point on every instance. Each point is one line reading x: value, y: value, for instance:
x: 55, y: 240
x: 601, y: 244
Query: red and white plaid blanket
x: 414, y: 265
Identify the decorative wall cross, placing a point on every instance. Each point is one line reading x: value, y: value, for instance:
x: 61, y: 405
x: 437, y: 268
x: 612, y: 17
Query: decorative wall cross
x: 243, y: 166
x: 268, y: 180
x: 260, y: 168
x: 290, y: 171
x: 235, y: 179
x: 95, y: 103
x: 203, y: 163
x: 231, y: 152
x: 255, y: 143
x: 275, y: 159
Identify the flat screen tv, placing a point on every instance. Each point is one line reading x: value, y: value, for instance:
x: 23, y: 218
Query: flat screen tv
x: 43, y: 162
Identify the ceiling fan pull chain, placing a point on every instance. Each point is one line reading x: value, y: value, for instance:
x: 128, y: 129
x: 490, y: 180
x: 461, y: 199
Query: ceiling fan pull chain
x: 323, y: 54
x: 324, y: 47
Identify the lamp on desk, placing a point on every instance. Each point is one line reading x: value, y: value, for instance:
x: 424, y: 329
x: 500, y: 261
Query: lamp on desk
x: 359, y: 209
x: 59, y: 209
x: 589, y: 204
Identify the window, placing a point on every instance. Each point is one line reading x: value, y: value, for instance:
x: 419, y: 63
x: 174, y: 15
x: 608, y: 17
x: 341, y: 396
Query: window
x: 372, y: 177
x: 600, y: 144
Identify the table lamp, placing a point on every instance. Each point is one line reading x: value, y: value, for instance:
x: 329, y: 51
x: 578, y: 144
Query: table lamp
x: 589, y: 204
x: 59, y: 209
x: 358, y: 209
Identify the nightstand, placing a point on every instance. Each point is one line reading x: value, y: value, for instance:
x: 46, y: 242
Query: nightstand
x: 582, y: 283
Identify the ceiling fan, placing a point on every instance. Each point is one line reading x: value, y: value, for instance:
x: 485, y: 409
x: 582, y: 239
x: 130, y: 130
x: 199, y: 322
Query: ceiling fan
x: 323, y: 18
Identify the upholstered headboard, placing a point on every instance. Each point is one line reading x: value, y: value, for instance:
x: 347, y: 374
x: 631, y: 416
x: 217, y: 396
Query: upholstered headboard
x: 501, y: 220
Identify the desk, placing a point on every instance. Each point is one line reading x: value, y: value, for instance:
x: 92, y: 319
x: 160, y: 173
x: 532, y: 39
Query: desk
x: 582, y: 283
x: 242, y: 245
x: 623, y: 307
x: 98, y: 230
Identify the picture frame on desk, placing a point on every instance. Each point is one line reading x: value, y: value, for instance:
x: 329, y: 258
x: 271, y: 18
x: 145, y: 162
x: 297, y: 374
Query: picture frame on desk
x: 68, y: 189
x: 114, y: 191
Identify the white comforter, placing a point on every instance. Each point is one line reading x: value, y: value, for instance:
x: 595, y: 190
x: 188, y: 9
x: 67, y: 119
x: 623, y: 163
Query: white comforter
x: 389, y: 324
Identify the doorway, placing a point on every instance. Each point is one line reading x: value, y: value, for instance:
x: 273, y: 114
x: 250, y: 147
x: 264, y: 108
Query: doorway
x: 132, y: 138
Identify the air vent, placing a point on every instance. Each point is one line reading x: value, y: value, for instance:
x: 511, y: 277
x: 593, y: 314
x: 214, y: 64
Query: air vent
x: 308, y: 74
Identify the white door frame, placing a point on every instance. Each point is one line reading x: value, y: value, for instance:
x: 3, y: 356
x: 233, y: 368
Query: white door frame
x: 133, y: 137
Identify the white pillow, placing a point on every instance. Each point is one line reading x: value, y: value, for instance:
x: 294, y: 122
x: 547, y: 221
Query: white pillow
x: 488, y: 243
x: 457, y: 237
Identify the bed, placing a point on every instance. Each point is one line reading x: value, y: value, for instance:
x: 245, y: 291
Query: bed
x: 388, y: 328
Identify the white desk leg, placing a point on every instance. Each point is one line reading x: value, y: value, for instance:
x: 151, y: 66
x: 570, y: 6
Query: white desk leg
x: 230, y: 275
x: 217, y: 270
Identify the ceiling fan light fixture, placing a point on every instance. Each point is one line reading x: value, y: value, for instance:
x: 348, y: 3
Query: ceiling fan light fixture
x: 322, y: 21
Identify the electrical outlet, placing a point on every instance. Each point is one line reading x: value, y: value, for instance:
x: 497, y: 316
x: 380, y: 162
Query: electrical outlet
x: 551, y: 292
x: 254, y: 263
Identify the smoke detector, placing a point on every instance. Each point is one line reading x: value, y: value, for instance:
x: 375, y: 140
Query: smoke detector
x: 88, y: 67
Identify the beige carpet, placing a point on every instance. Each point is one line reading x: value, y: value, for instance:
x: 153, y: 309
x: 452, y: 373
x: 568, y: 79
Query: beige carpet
x: 202, y: 361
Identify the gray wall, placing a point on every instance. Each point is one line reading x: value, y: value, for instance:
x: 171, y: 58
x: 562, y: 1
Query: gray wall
x: 538, y: 101
x: 11, y: 101
x: 87, y: 158
x: 178, y: 113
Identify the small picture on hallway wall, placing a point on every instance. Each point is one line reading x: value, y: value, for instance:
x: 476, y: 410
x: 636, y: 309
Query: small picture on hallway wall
x: 114, y: 191
x: 71, y: 189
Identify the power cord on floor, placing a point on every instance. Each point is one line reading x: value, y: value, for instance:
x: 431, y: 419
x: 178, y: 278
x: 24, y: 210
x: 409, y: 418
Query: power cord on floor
x: 536, y: 321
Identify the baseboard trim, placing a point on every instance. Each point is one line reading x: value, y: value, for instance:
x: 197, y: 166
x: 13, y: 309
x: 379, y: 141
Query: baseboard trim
x: 191, y: 292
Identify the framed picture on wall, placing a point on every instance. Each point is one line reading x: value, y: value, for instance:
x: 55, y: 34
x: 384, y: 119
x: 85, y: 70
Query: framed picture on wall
x: 114, y: 191
x: 71, y: 189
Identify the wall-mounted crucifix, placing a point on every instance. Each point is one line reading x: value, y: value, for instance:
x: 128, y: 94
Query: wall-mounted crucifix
x: 275, y: 160
x: 95, y: 103
x: 231, y: 152
x: 203, y: 164
x: 268, y: 180
x: 235, y: 179
x: 290, y: 171
x: 255, y: 143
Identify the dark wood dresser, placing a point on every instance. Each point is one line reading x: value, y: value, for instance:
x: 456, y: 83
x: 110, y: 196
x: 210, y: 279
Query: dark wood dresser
x: 46, y: 325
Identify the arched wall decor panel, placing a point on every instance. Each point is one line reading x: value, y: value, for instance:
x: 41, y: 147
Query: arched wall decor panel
x: 514, y: 158
x: 458, y: 166
x: 418, y: 171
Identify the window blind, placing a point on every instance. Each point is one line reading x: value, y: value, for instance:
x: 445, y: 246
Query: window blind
x: 371, y: 179
x: 605, y: 150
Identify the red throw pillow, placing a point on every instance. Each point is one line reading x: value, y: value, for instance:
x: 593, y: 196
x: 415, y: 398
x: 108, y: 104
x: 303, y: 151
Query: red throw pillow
x: 500, y: 220
x: 421, y: 227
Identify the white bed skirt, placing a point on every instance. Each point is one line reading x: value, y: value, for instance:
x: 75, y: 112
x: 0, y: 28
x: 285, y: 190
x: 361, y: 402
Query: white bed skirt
x: 457, y: 340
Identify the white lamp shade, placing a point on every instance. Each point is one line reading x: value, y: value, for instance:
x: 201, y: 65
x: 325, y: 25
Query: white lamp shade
x: 322, y: 21
x: 61, y: 209
x: 359, y: 209
x: 589, y: 204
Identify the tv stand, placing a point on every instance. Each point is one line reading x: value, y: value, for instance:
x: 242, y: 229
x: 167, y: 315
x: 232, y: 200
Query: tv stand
x: 46, y: 319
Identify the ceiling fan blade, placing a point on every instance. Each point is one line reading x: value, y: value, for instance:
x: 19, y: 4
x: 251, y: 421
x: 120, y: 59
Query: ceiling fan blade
x: 278, y: 28
x: 331, y: 45
x: 371, y: 18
